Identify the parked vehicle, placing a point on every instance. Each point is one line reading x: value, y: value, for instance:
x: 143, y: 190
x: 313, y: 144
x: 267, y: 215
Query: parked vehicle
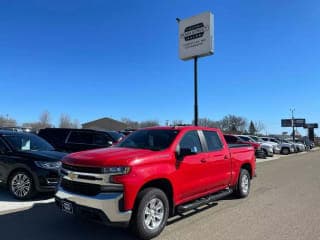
x: 28, y: 164
x: 286, y: 148
x: 266, y: 148
x: 75, y: 140
x: 276, y: 146
x: 17, y: 129
x: 233, y: 139
x: 308, y: 143
x: 299, y: 146
x: 153, y: 174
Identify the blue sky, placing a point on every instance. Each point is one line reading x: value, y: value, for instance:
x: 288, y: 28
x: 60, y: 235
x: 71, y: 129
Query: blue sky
x: 92, y: 59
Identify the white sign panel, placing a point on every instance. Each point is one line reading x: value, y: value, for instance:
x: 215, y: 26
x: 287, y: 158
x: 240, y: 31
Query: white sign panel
x: 196, y: 36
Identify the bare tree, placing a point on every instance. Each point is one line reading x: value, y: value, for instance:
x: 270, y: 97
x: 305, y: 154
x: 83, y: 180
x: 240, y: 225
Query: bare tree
x: 130, y: 123
x: 206, y: 122
x: 44, y: 120
x: 233, y: 124
x: 259, y: 126
x: 65, y: 122
x: 149, y: 123
x: 7, y: 122
x: 177, y: 122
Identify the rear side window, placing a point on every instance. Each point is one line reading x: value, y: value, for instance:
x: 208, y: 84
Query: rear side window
x: 54, y: 136
x: 81, y: 137
x: 230, y: 139
x: 191, y: 141
x: 213, y: 141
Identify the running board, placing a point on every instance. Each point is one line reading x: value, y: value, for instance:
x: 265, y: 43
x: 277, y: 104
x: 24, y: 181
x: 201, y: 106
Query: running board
x: 204, y: 200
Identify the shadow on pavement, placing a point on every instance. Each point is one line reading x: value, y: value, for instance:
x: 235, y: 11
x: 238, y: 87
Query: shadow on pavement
x: 6, y: 196
x: 46, y: 221
x: 180, y: 217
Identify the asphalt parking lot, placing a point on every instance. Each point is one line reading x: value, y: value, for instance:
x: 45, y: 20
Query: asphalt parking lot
x: 284, y: 204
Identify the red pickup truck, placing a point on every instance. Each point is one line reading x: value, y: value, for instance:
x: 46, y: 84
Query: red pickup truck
x: 153, y: 174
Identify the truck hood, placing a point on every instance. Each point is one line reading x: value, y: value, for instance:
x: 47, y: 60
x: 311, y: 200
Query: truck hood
x: 104, y: 157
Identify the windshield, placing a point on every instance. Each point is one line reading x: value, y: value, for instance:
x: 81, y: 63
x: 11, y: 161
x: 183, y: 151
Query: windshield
x: 155, y: 140
x: 256, y: 138
x: 28, y: 142
x: 116, y: 136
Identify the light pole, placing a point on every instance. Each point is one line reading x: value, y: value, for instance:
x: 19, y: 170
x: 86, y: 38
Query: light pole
x: 292, y: 123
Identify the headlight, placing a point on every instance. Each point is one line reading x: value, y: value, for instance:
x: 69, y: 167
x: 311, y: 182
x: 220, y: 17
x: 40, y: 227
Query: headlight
x: 116, y: 170
x: 48, y: 165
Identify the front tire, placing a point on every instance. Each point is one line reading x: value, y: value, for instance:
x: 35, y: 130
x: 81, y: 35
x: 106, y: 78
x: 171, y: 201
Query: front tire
x: 285, y: 151
x: 150, y: 214
x: 21, y: 185
x: 244, y: 184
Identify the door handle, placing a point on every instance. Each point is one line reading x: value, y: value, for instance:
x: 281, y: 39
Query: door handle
x: 203, y: 160
x: 225, y: 157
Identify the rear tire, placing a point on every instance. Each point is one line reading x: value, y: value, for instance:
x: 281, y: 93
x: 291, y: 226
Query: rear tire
x: 150, y: 214
x: 285, y: 151
x: 243, y: 186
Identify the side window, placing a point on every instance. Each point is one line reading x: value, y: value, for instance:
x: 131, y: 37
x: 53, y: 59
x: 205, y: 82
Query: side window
x: 191, y: 141
x: 100, y: 139
x: 213, y: 141
x: 230, y: 139
x: 80, y: 137
x: 3, y: 148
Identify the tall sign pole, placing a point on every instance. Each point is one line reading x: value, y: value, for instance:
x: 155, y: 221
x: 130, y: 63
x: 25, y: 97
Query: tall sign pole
x: 196, y: 40
x: 196, y: 91
x: 292, y: 120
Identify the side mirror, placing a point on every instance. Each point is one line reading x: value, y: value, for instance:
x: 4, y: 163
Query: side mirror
x: 183, y: 152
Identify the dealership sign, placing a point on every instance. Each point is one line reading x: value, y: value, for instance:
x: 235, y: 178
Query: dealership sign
x: 196, y: 36
x: 297, y: 122
x: 311, y: 125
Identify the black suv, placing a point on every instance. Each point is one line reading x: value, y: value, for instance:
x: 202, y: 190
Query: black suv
x: 75, y: 140
x: 28, y: 164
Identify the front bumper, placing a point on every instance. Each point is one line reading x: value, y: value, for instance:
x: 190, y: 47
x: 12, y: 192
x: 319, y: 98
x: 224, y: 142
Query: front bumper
x: 269, y: 152
x: 276, y: 150
x: 105, y: 204
x: 260, y: 153
x: 46, y: 180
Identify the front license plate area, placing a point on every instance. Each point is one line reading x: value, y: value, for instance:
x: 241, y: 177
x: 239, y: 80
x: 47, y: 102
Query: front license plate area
x: 67, y: 207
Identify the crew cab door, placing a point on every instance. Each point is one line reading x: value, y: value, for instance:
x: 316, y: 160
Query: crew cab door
x: 218, y: 165
x: 191, y: 166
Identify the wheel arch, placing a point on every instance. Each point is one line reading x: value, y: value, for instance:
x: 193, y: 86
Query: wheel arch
x: 17, y: 169
x: 166, y: 186
x: 248, y: 167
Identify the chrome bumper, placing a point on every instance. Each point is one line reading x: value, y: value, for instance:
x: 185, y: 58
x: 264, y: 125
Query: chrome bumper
x: 276, y: 150
x: 108, y: 203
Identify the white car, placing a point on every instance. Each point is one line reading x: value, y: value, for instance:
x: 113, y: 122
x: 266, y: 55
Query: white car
x: 285, y: 148
x: 276, y: 146
x: 300, y: 147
